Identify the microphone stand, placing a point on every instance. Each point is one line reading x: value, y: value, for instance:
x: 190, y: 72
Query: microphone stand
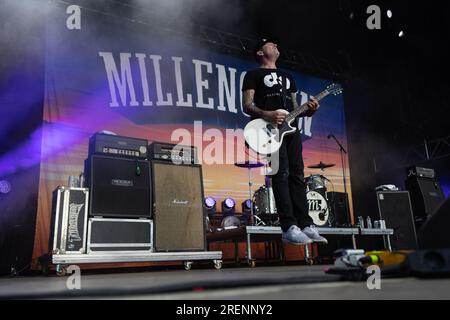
x: 342, y: 151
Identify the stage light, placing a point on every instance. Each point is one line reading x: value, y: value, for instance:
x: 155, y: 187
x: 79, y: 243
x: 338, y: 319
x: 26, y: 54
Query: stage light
x: 210, y: 202
x: 229, y: 203
x: 246, y: 206
x: 401, y: 34
x: 389, y: 14
x: 5, y: 186
x: 228, y: 206
x: 210, y: 205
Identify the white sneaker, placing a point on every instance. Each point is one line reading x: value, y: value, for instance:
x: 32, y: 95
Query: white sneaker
x: 295, y: 236
x: 314, y: 235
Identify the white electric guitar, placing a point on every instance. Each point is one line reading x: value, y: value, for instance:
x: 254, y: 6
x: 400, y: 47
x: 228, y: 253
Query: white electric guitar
x: 266, y: 137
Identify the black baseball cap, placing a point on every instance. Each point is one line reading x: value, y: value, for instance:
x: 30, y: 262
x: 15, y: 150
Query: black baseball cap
x: 260, y: 43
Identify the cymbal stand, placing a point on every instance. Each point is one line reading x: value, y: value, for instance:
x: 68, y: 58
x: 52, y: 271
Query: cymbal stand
x: 254, y: 220
x: 342, y: 151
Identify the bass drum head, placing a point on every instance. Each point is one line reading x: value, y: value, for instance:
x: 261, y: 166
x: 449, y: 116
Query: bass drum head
x: 318, y: 208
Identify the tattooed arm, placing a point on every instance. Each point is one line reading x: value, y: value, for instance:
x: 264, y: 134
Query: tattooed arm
x: 249, y: 104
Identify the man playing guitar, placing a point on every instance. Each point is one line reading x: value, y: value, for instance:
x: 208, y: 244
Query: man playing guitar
x: 266, y: 90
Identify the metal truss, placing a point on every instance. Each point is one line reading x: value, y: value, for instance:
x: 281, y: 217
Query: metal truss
x: 418, y: 154
x: 213, y: 38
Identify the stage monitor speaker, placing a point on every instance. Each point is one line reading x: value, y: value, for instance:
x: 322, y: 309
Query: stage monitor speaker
x: 179, y: 218
x: 434, y: 232
x: 119, y: 187
x: 426, y: 195
x: 395, y: 208
x: 339, y: 208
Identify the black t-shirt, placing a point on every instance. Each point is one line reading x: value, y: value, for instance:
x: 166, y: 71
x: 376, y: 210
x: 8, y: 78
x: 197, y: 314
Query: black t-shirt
x: 268, y: 89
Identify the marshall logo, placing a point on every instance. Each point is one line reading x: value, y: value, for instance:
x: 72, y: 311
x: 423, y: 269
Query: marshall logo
x: 74, y: 213
x: 180, y: 202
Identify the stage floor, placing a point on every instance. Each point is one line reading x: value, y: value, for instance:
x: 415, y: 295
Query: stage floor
x: 260, y: 283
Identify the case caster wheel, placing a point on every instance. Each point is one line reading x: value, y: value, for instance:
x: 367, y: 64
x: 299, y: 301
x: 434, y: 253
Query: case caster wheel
x: 218, y: 264
x: 187, y: 265
x: 310, y: 261
x: 61, y: 270
x: 252, y: 263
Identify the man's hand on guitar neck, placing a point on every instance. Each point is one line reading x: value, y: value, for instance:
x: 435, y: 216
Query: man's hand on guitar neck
x: 313, y: 106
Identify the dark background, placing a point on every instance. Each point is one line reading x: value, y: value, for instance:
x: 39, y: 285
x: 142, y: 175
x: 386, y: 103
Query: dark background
x: 395, y: 88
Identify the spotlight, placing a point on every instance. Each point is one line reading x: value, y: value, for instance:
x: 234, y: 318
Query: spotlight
x: 389, y: 14
x: 210, y: 205
x: 246, y: 206
x: 228, y: 206
x: 401, y: 34
x: 210, y: 202
x: 5, y: 186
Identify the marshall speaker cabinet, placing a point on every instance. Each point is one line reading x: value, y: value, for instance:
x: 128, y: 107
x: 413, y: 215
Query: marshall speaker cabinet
x: 120, y: 187
x: 178, y: 207
x: 70, y: 214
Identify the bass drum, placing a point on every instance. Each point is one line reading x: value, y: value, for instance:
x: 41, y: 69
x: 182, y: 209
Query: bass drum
x: 318, y: 208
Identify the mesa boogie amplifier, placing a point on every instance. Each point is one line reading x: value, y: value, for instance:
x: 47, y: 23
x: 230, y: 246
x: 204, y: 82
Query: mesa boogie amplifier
x: 120, y: 187
x: 177, y: 154
x: 70, y: 217
x: 113, y: 145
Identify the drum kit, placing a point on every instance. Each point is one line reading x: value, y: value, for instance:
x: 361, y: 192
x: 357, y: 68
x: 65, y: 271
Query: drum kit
x: 264, y: 210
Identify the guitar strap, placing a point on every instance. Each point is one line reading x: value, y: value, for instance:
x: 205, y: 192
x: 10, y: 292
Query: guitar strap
x: 283, y: 92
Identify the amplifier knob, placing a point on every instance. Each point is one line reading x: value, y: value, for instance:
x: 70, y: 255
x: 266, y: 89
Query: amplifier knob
x: 142, y: 149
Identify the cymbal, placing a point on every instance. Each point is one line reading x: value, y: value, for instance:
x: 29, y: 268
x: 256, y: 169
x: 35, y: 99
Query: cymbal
x: 321, y: 165
x: 249, y: 165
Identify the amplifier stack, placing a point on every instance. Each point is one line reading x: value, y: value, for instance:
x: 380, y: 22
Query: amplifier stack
x: 425, y: 191
x: 136, y: 199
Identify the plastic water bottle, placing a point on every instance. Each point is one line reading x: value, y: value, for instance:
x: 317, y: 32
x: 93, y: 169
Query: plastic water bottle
x: 369, y: 223
x: 361, y: 222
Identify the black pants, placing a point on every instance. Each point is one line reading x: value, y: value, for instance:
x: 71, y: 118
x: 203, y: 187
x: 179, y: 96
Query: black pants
x: 289, y: 186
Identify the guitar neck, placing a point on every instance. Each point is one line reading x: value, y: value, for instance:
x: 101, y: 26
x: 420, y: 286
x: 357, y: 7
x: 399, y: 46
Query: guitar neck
x: 304, y: 107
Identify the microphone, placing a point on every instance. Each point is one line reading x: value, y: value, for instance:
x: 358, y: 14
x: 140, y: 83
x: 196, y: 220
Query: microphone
x: 330, y: 135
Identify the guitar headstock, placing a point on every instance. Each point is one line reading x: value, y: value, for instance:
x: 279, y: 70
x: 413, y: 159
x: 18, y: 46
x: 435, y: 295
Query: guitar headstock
x: 335, y: 89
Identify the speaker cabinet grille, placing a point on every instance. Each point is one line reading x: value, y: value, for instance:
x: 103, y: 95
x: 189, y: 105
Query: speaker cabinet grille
x: 178, y: 207
x: 395, y: 208
x: 119, y: 187
x: 339, y: 209
x: 426, y: 195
